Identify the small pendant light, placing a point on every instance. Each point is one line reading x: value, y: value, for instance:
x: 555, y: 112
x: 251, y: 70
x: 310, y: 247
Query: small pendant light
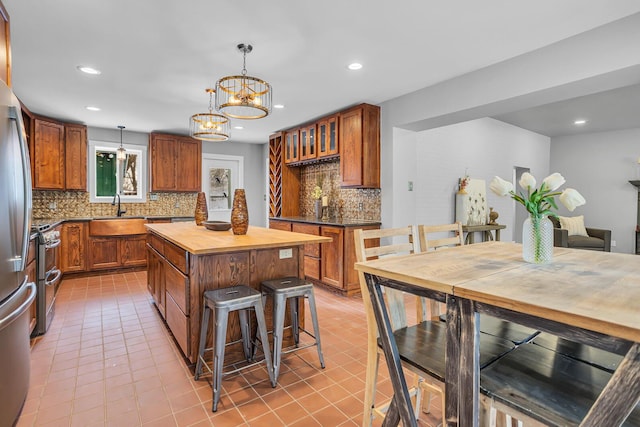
x: 121, y: 153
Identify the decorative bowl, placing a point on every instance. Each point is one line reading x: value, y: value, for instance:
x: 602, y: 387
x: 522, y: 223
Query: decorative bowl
x: 217, y: 225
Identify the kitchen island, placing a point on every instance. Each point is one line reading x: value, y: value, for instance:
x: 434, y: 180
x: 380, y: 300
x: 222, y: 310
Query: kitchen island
x: 185, y: 260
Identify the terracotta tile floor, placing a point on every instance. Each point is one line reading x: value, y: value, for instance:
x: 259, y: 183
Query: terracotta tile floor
x: 108, y: 359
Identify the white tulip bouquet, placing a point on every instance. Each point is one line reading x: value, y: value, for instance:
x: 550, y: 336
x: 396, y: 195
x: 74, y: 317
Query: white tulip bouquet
x: 539, y: 201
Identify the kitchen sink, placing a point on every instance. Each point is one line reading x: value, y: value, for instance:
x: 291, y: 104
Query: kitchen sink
x: 117, y: 226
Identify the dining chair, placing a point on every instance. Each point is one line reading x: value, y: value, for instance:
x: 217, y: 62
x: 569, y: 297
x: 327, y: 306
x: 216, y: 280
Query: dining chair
x: 371, y: 244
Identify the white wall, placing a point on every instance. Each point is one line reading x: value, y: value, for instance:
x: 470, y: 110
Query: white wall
x: 484, y: 148
x: 599, y: 166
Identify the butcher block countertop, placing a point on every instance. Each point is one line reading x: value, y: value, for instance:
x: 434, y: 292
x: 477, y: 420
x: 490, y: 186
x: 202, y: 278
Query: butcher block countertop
x: 198, y: 240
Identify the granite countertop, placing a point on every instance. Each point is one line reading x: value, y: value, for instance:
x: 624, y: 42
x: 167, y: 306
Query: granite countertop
x: 340, y: 222
x: 53, y: 222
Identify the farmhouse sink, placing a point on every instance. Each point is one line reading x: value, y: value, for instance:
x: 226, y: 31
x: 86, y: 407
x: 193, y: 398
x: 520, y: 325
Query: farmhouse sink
x: 117, y: 226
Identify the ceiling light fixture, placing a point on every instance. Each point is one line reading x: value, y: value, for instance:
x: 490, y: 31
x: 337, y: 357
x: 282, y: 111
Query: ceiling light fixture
x: 279, y: 106
x: 92, y: 108
x: 355, y: 66
x: 238, y: 127
x: 88, y: 70
x: 209, y: 126
x: 121, y: 153
x: 579, y: 122
x: 243, y: 97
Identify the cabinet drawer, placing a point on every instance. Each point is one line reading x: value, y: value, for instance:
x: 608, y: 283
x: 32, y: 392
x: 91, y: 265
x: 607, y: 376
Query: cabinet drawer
x: 177, y: 285
x: 312, y: 267
x: 280, y: 225
x: 179, y: 324
x: 176, y: 256
x: 156, y: 243
x: 311, y: 249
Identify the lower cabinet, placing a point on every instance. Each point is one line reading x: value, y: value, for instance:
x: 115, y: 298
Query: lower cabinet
x: 73, y: 247
x: 117, y: 252
x: 312, y: 252
x: 155, y: 278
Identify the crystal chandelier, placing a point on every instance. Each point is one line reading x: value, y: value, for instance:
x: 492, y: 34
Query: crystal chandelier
x: 209, y: 126
x: 243, y: 97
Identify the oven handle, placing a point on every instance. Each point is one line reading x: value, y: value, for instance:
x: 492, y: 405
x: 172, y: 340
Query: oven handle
x: 48, y: 274
x: 52, y: 244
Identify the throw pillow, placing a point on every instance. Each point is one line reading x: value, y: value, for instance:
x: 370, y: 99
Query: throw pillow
x: 574, y: 225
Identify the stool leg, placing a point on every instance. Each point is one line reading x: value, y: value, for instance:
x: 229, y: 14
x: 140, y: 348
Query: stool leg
x: 204, y: 326
x: 222, y: 316
x: 295, y: 321
x: 316, y: 327
x: 279, y: 303
x: 262, y: 330
x: 245, y: 328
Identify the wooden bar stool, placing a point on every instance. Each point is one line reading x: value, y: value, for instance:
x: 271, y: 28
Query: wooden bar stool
x: 281, y: 290
x: 222, y: 301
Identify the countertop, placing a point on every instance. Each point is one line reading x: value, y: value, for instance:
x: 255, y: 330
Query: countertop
x: 198, y: 240
x: 53, y: 222
x: 339, y: 222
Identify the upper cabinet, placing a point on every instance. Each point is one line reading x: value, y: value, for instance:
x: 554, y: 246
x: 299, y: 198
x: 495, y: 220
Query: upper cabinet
x: 176, y: 163
x: 58, y: 154
x: 308, y: 149
x: 360, y: 147
x: 328, y: 137
x: 5, y: 47
x: 291, y: 146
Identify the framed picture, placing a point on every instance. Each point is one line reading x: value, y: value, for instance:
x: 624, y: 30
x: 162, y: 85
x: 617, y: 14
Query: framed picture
x: 471, y: 203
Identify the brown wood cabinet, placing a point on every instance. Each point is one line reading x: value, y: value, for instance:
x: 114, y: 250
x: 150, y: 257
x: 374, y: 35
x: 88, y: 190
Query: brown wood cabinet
x: 308, y: 149
x: 332, y: 261
x: 5, y: 47
x: 176, y: 163
x: 75, y: 143
x: 73, y: 245
x: 328, y: 137
x: 48, y: 155
x: 107, y: 253
x: 155, y: 278
x: 312, y: 251
x: 292, y: 146
x: 284, y: 182
x: 360, y: 147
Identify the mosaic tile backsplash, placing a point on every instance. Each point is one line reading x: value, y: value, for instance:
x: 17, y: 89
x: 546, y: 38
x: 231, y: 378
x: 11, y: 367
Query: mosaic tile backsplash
x: 75, y: 204
x: 356, y: 203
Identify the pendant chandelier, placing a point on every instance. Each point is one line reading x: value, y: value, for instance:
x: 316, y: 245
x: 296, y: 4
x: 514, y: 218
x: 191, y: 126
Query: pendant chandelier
x: 209, y: 126
x: 121, y: 153
x: 243, y: 97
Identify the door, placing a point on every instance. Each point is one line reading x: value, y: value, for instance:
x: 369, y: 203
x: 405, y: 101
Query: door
x: 221, y: 176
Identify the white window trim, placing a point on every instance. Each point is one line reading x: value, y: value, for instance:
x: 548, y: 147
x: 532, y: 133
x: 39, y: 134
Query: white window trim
x: 100, y: 145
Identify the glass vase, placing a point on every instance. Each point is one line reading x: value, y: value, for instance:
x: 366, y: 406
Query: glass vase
x: 537, y: 240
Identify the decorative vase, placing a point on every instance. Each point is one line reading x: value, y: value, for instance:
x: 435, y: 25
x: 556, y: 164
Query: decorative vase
x: 537, y: 240
x: 317, y: 208
x: 239, y: 213
x: 201, y: 213
x: 493, y: 215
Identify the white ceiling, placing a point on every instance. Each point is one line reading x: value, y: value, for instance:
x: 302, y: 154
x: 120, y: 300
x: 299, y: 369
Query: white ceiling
x: 158, y: 56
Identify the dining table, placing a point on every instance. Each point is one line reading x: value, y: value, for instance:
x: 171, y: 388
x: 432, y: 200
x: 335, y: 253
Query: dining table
x: 586, y: 296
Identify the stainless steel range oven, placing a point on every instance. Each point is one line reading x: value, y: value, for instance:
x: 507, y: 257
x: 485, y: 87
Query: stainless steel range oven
x: 48, y: 275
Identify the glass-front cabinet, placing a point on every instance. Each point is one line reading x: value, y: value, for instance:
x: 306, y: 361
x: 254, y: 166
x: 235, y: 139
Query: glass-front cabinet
x: 308, y: 142
x: 291, y: 146
x: 328, y: 136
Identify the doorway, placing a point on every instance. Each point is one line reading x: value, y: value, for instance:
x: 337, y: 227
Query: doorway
x: 520, y: 214
x: 221, y: 176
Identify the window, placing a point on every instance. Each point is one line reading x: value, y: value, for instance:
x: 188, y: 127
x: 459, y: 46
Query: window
x: 107, y: 175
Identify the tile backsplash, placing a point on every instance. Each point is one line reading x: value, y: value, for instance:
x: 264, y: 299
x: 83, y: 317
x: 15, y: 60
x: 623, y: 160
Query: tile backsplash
x: 356, y: 203
x: 75, y: 204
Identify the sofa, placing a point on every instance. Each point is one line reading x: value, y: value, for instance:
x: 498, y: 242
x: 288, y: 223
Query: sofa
x: 596, y: 239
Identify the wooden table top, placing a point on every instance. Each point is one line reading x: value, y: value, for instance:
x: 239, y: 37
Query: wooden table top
x: 485, y: 227
x: 198, y: 240
x: 599, y: 291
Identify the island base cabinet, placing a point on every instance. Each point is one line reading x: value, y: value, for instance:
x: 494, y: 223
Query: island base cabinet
x: 155, y: 279
x: 179, y: 325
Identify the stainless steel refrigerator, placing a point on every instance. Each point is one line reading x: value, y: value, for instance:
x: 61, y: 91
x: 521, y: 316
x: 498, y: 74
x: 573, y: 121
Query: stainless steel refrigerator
x: 17, y: 291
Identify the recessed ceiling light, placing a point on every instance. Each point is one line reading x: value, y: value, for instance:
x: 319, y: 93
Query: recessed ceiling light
x: 88, y: 70
x: 580, y: 122
x: 278, y: 106
x: 92, y: 108
x: 355, y: 66
x: 238, y: 127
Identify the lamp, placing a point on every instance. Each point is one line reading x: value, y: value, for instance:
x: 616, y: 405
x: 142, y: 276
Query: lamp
x: 243, y: 97
x: 209, y: 126
x: 121, y: 153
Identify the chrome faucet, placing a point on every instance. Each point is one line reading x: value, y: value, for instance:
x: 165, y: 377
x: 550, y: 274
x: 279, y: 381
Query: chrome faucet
x: 120, y: 211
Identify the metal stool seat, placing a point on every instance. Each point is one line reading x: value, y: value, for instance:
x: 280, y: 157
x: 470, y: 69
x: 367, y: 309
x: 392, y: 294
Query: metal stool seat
x: 222, y: 301
x: 281, y: 290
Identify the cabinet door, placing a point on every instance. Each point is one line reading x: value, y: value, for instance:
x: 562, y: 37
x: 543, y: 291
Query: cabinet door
x: 303, y: 143
x: 310, y: 142
x: 163, y: 162
x: 104, y: 252
x: 49, y: 154
x: 189, y: 165
x: 133, y: 251
x: 75, y: 137
x: 292, y: 142
x: 332, y: 257
x: 73, y: 247
x: 280, y: 225
x: 351, y: 148
x: 155, y: 279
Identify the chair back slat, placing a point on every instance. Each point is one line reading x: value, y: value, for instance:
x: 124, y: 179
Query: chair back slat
x: 428, y: 244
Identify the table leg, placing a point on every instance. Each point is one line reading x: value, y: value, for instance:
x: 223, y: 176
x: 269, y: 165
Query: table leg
x: 471, y: 237
x: 497, y: 234
x: 401, y: 408
x: 620, y: 395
